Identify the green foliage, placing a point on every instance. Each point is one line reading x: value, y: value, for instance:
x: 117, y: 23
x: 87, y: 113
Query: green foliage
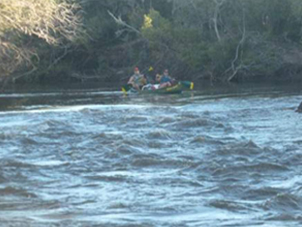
x: 159, y: 29
x: 227, y: 39
x: 191, y: 49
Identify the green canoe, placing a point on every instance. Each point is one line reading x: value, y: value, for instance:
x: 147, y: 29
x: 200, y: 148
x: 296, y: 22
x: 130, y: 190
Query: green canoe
x: 174, y: 89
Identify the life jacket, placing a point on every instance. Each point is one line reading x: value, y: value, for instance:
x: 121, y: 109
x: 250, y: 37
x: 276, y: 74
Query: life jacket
x: 165, y: 79
x: 138, y: 79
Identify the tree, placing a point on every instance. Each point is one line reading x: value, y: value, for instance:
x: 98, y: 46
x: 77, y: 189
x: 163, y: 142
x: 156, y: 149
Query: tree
x: 49, y: 20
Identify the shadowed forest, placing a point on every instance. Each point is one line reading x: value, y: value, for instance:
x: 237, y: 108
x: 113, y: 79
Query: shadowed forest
x: 50, y: 41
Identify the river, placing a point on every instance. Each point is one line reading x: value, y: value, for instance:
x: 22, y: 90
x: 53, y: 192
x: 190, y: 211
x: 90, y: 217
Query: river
x: 226, y: 156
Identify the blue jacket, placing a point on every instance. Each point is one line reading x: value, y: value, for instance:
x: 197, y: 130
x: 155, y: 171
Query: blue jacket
x: 165, y: 79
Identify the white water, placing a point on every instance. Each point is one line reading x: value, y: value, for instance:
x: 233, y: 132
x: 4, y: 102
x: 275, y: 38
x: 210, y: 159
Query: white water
x: 202, y: 159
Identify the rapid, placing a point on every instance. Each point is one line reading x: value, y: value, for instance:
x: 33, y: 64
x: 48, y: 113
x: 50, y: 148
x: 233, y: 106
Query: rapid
x: 94, y: 157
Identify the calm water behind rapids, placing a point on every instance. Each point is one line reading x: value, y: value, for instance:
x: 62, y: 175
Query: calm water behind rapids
x: 92, y: 157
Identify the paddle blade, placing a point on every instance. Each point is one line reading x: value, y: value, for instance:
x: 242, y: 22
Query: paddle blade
x: 192, y: 86
x: 126, y: 88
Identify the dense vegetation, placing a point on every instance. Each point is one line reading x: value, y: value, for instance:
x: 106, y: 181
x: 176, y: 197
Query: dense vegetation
x: 227, y: 40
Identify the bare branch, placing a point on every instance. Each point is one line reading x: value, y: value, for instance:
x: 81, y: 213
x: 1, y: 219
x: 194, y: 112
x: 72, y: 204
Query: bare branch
x: 120, y: 22
x: 241, y: 42
x: 47, y: 19
x: 215, y: 18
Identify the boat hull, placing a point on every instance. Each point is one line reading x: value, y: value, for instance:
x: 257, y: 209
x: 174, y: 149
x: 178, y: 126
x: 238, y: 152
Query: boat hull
x: 174, y: 89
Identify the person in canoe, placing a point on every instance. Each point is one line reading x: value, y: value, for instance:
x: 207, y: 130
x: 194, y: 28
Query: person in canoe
x: 164, y: 80
x: 137, y: 80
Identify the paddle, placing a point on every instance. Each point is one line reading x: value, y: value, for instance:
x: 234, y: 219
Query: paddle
x: 126, y: 88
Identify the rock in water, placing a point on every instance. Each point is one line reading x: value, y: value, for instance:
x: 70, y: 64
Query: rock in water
x: 299, y: 110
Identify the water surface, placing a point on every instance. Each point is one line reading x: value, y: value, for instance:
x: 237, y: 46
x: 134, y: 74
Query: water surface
x: 227, y: 156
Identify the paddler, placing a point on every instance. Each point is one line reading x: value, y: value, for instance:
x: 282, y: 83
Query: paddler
x: 137, y: 80
x: 164, y: 80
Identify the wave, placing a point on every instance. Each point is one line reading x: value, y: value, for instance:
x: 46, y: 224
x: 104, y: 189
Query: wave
x: 13, y: 191
x: 159, y: 134
x: 284, y: 202
x: 233, y: 206
x: 74, y: 108
x: 287, y: 217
